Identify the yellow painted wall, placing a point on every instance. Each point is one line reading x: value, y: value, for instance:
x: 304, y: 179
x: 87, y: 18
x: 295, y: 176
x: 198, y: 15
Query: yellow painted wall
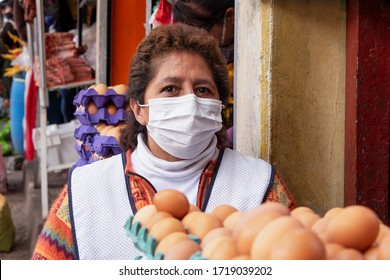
x: 308, y: 77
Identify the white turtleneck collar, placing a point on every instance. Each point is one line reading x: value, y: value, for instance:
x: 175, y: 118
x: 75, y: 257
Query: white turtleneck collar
x: 183, y: 175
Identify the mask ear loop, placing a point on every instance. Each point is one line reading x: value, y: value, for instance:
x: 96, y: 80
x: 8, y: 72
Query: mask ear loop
x: 142, y: 105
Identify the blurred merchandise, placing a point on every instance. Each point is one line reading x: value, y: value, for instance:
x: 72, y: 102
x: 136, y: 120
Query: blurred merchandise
x: 63, y: 62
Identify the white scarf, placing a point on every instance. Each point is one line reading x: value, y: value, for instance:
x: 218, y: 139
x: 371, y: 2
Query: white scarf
x: 183, y: 175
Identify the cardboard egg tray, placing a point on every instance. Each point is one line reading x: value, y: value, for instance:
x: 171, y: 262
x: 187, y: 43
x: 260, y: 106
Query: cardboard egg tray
x: 84, y: 134
x: 101, y: 146
x: 81, y: 151
x: 148, y: 244
x: 100, y: 100
x: 80, y: 162
x: 101, y: 115
x: 82, y: 99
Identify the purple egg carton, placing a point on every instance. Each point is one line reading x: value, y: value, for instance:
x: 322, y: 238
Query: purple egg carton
x: 103, y: 145
x: 82, y: 150
x: 94, y: 157
x: 83, y: 97
x: 80, y: 162
x: 85, y: 131
x: 102, y: 115
x: 119, y: 116
x: 119, y: 100
x: 100, y: 100
x: 91, y: 119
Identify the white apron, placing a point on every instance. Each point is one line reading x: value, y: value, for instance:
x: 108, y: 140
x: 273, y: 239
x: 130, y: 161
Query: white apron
x: 100, y: 203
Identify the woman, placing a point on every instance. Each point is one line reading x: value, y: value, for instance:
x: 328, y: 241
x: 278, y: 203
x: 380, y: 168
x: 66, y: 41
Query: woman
x: 177, y: 85
x: 217, y: 17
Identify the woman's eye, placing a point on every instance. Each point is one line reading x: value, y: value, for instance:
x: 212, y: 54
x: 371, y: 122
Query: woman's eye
x: 203, y: 91
x: 169, y: 89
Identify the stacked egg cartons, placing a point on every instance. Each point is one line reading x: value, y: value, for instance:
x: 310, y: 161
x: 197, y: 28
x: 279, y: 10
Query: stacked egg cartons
x: 101, y: 111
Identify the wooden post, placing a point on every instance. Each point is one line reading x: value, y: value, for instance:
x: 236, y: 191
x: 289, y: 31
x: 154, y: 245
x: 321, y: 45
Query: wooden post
x: 367, y: 105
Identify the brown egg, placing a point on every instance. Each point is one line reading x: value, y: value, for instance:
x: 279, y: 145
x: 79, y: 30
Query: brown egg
x: 182, y: 250
x: 144, y: 214
x: 223, y: 210
x: 242, y: 257
x: 231, y: 220
x: 246, y: 236
x: 271, y: 206
x: 92, y: 86
x: 121, y: 124
x: 333, y: 212
x: 99, y: 126
x: 211, y: 245
x: 298, y: 243
x: 114, y: 132
x: 91, y: 107
x: 169, y: 240
x: 173, y: 202
x: 355, y: 227
x: 225, y: 249
x: 187, y: 218
x: 267, y: 207
x: 348, y: 254
x: 371, y: 253
x: 298, y: 210
x: 332, y: 250
x: 319, y: 227
x: 111, y: 108
x: 384, y: 248
x: 383, y: 231
x: 306, y: 218
x: 202, y: 223
x: 164, y: 227
x: 215, y: 233
x: 105, y: 130
x: 158, y: 216
x: 216, y: 245
x: 101, y: 89
x: 193, y: 208
x: 120, y: 89
x: 270, y: 234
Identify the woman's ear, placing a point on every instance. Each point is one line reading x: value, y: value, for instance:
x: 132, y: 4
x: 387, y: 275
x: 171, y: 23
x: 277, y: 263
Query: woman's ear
x: 137, y: 112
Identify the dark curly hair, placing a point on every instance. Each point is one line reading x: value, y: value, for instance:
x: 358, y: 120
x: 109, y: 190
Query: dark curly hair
x: 161, y: 41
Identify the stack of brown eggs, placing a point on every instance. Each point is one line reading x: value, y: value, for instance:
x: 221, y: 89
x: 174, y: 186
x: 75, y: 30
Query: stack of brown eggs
x: 270, y: 232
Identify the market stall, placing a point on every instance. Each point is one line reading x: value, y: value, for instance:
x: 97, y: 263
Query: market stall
x: 57, y: 138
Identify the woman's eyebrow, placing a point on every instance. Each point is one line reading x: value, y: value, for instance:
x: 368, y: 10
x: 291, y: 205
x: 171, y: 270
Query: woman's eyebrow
x: 203, y: 81
x: 177, y: 80
x: 169, y: 79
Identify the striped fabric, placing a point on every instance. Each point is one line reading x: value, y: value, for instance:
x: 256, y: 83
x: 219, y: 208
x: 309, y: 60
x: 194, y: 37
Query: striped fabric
x: 280, y: 193
x: 55, y: 241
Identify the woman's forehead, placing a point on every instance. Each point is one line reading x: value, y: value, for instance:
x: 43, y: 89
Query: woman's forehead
x: 177, y: 61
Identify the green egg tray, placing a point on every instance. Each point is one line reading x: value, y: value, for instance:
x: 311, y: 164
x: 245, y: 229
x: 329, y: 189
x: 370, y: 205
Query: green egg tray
x: 147, y: 244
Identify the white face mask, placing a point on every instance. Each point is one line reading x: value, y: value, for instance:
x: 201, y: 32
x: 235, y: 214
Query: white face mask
x: 184, y: 126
